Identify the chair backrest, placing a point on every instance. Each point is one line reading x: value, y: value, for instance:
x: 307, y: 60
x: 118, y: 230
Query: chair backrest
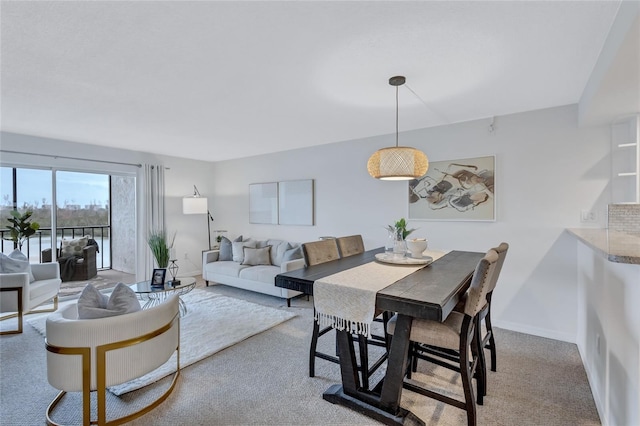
x: 151, y: 348
x: 502, y: 253
x: 322, y: 251
x: 480, y: 282
x: 350, y: 245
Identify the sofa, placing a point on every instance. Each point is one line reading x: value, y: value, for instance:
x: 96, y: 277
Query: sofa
x: 252, y: 265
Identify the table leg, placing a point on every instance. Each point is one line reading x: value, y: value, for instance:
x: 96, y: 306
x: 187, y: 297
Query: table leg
x: 182, y: 306
x: 384, y: 407
x: 396, y: 365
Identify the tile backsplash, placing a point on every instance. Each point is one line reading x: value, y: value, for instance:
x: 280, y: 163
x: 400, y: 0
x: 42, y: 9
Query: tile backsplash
x: 624, y: 218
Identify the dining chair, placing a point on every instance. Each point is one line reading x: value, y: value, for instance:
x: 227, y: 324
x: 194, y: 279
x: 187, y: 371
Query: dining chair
x: 488, y: 339
x: 456, y: 335
x: 315, y: 253
x: 350, y: 245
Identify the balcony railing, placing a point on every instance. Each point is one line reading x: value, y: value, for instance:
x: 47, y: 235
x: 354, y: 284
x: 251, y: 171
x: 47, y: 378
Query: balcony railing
x: 42, y: 240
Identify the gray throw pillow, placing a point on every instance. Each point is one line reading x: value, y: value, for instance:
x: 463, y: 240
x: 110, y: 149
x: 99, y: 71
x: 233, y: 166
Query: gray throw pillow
x: 292, y: 254
x: 257, y: 256
x: 226, y: 251
x: 237, y: 248
x: 123, y: 300
x: 277, y: 252
x: 16, y: 262
x: 92, y: 304
x: 91, y: 299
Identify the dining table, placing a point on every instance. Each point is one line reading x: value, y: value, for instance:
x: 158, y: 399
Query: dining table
x: 431, y: 292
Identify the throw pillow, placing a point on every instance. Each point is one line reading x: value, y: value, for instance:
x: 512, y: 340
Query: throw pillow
x: 292, y: 254
x: 123, y: 300
x: 257, y: 256
x: 93, y: 304
x: 16, y: 262
x: 90, y: 300
x: 75, y: 246
x: 226, y: 252
x: 237, y: 247
x: 277, y: 253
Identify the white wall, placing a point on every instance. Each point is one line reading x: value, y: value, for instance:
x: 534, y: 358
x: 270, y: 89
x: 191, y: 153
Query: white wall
x: 547, y: 171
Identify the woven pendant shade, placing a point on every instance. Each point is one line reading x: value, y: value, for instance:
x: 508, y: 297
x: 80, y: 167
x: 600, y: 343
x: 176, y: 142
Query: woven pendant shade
x: 398, y: 163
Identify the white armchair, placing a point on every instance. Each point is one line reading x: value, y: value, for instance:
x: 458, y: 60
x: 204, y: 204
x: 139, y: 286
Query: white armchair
x: 19, y: 296
x: 85, y: 355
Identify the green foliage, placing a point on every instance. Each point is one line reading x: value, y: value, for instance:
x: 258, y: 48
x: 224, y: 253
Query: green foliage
x: 160, y: 247
x: 21, y: 227
x: 401, y: 226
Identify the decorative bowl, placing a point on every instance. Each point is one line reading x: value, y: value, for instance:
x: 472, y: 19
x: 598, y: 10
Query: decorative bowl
x: 416, y: 246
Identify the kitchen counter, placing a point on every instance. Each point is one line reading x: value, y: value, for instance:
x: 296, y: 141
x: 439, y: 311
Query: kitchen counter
x: 619, y: 247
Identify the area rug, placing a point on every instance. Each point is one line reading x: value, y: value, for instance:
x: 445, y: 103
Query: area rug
x: 213, y: 323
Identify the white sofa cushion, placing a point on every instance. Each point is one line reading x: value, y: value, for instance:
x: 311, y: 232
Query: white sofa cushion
x: 261, y: 273
x: 226, y: 267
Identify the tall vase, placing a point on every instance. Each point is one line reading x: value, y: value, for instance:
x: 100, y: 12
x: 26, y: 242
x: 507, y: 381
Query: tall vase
x: 399, y: 245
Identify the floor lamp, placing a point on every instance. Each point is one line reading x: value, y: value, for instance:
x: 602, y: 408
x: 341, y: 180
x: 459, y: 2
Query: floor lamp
x: 197, y: 204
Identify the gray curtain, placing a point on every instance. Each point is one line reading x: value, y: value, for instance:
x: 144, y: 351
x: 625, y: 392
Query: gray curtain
x: 153, y: 205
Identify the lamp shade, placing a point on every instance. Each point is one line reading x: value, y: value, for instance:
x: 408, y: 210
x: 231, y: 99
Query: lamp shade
x: 398, y: 163
x: 194, y: 205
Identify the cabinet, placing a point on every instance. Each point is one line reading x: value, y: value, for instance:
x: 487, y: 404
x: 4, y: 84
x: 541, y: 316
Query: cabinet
x: 625, y: 160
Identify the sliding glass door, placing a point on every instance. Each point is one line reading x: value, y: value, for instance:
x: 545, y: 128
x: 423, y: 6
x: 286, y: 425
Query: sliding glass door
x: 83, y: 207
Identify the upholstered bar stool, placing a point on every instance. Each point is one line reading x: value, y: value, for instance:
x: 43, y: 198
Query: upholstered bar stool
x: 315, y: 253
x: 350, y: 245
x: 456, y: 334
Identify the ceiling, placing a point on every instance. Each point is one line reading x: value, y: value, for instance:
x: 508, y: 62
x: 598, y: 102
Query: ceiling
x: 216, y: 80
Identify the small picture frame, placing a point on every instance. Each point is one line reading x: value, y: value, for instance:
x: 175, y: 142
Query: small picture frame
x: 157, y: 278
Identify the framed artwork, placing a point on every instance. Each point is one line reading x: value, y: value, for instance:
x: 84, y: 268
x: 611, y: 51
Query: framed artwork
x: 157, y: 278
x: 455, y: 190
x: 295, y: 202
x: 263, y: 203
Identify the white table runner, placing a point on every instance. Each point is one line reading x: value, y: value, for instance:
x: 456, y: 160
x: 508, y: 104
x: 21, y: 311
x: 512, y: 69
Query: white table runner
x: 347, y: 300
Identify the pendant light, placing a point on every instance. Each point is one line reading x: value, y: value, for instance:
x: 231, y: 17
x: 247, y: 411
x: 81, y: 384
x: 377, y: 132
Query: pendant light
x: 397, y: 162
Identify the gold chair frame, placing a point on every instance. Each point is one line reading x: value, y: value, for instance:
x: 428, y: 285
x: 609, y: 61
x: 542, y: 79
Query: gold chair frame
x: 101, y: 366
x: 20, y: 314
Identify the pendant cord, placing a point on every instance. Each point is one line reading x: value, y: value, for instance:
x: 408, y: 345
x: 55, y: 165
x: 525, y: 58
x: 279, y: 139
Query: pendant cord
x: 396, y: 116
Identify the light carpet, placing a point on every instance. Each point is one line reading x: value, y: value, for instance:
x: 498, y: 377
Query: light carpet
x: 213, y: 323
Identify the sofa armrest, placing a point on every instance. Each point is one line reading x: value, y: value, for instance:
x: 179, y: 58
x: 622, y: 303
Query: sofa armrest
x: 292, y: 265
x: 209, y: 256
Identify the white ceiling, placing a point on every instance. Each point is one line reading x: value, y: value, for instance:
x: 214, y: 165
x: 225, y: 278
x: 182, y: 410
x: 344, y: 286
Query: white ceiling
x: 218, y: 80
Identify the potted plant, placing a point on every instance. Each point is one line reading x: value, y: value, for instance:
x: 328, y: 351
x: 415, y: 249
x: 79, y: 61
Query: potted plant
x: 21, y: 227
x: 400, y: 229
x: 160, y: 247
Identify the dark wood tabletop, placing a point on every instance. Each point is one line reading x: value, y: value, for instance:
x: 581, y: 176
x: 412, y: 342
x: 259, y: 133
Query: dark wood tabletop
x: 302, y: 279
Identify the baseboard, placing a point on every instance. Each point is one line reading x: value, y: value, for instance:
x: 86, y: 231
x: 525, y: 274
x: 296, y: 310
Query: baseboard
x: 535, y: 331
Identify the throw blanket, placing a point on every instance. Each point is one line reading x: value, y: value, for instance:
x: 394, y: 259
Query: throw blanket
x: 68, y: 266
x: 68, y: 263
x: 347, y: 300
